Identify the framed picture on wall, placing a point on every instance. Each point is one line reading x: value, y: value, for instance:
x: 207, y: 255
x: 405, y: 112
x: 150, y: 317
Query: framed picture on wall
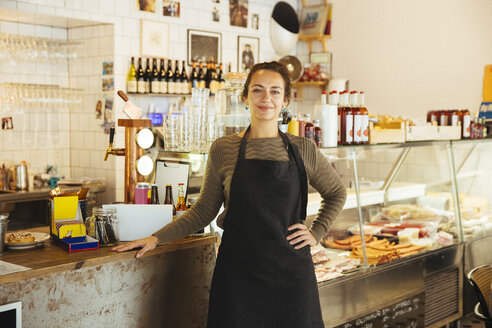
x: 154, y: 38
x: 248, y: 53
x: 313, y: 19
x: 204, y: 46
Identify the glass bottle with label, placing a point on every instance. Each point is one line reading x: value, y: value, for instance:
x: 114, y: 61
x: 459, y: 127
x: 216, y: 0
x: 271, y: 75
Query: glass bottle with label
x: 357, y: 115
x: 318, y: 134
x: 194, y: 76
x: 148, y: 76
x: 346, y: 120
x: 154, y: 195
x: 169, y: 198
x: 181, y: 206
x: 185, y: 86
x: 201, y: 76
x: 177, y: 78
x: 162, y: 80
x: 308, y: 127
x: 465, y: 123
x: 169, y: 78
x: 364, y: 118
x: 220, y: 76
x: 131, y: 78
x: 140, y: 77
x: 154, y: 81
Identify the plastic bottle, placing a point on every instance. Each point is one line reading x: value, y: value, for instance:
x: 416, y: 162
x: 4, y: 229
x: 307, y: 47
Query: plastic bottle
x: 465, y: 124
x: 293, y: 127
x: 181, y: 206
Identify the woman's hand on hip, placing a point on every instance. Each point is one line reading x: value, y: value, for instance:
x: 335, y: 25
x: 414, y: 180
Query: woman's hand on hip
x: 146, y: 244
x: 302, y: 237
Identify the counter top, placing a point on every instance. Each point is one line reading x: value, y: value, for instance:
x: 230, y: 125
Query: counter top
x: 24, y: 195
x: 54, y: 259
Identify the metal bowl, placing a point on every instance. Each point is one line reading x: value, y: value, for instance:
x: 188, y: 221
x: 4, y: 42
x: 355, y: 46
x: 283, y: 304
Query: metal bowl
x: 294, y: 66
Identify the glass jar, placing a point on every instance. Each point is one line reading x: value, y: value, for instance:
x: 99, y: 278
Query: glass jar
x: 103, y: 225
x: 231, y: 114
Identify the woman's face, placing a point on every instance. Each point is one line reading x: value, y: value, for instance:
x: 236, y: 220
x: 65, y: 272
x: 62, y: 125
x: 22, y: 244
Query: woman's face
x: 266, y: 95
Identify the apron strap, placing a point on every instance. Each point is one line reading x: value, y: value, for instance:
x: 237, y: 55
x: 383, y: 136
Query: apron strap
x: 294, y: 153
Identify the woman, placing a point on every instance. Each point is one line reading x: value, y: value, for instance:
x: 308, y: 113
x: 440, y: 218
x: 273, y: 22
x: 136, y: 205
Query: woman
x: 264, y: 274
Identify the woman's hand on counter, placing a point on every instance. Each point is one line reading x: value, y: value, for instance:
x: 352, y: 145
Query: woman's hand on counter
x: 302, y: 237
x: 146, y: 244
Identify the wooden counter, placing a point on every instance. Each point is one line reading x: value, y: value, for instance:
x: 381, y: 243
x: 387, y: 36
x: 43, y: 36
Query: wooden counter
x: 53, y: 259
x: 167, y: 287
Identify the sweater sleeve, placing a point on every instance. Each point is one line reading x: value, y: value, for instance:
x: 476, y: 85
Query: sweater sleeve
x: 206, y: 207
x: 323, y: 177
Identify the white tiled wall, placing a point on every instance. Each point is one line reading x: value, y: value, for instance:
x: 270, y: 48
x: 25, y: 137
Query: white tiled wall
x: 87, y: 141
x: 41, y: 130
x: 411, y: 56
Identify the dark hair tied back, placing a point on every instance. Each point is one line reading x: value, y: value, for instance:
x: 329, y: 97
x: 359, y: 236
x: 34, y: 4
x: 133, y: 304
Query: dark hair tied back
x: 273, y: 66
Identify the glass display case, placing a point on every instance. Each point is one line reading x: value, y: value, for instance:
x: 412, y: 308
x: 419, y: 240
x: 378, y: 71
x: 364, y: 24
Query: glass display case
x: 398, y: 239
x: 402, y: 196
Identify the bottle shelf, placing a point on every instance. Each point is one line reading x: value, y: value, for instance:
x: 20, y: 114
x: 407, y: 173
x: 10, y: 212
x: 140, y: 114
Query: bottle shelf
x: 300, y: 85
x: 159, y: 94
x: 309, y: 38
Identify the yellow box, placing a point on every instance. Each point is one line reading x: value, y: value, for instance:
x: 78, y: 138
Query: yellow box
x: 70, y: 229
x: 65, y: 211
x: 487, y: 84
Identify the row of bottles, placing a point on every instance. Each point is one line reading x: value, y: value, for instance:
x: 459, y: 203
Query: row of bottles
x: 353, y: 117
x: 159, y: 80
x: 302, y: 126
x: 453, y: 117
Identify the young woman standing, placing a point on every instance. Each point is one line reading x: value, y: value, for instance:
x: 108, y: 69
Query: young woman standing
x: 264, y: 274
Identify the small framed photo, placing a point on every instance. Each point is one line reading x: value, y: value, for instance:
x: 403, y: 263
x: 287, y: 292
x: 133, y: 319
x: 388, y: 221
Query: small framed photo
x: 320, y: 58
x: 146, y: 5
x: 248, y: 53
x: 314, y: 19
x: 171, y: 8
x: 255, y: 21
x: 203, y: 46
x: 154, y: 38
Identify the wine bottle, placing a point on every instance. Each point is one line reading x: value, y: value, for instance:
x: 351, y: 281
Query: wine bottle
x: 140, y: 77
x: 185, y: 82
x: 177, y: 78
x: 214, y: 82
x: 194, y: 76
x: 154, y: 81
x: 201, y: 76
x: 148, y: 75
x: 207, y: 76
x: 169, y: 77
x: 131, y: 78
x: 162, y: 78
x: 220, y: 77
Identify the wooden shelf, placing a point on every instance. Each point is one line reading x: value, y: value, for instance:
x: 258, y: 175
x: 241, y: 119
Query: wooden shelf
x: 300, y: 85
x: 309, y: 38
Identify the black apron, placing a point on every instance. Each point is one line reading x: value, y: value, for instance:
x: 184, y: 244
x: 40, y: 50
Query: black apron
x: 260, y: 280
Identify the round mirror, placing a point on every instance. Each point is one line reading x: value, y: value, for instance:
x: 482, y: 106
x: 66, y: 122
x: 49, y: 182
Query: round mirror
x: 145, y: 138
x: 145, y: 165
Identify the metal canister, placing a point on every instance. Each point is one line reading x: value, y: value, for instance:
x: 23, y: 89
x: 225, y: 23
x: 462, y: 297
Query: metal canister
x: 3, y: 231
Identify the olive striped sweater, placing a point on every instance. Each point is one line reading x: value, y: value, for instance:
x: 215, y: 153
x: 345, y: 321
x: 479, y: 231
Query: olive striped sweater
x: 216, y: 186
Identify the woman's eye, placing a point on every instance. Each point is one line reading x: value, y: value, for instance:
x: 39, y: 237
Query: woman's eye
x: 256, y: 90
x: 276, y: 92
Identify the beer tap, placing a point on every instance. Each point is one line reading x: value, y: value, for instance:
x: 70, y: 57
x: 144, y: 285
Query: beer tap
x: 111, y: 150
x: 137, y: 165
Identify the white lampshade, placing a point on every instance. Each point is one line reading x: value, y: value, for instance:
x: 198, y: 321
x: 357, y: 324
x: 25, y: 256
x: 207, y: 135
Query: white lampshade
x: 282, y: 40
x: 284, y: 28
